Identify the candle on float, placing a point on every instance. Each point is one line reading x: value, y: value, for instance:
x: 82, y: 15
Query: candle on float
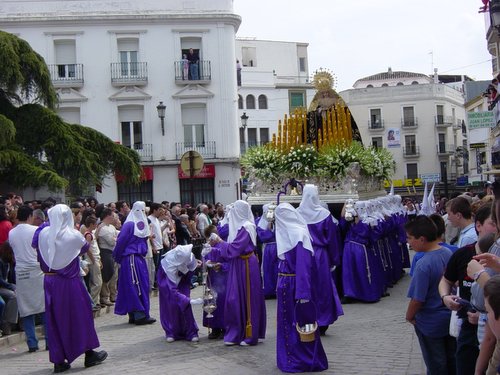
x: 349, y: 126
x: 280, y: 134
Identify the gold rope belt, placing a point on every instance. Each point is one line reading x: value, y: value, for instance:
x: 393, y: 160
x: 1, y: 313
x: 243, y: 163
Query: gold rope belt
x: 49, y: 273
x: 248, y: 328
x: 287, y: 274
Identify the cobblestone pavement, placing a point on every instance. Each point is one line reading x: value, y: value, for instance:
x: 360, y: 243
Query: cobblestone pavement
x: 368, y: 339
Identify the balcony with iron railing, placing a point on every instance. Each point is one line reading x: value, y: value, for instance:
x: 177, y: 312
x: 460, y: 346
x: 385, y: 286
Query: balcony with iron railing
x: 411, y: 152
x: 184, y: 74
x: 66, y: 75
x: 145, y: 151
x: 409, y: 122
x: 457, y: 125
x: 207, y: 149
x: 376, y: 125
x: 443, y: 121
x: 445, y: 149
x: 129, y: 74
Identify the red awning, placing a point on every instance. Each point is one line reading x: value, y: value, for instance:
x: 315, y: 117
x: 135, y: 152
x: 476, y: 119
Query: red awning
x: 146, y: 175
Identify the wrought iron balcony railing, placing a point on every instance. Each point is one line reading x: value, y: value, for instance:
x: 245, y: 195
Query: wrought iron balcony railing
x: 129, y: 73
x: 66, y: 75
x: 186, y: 73
x: 207, y: 149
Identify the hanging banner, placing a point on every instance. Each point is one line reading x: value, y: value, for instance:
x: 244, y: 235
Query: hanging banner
x: 393, y: 137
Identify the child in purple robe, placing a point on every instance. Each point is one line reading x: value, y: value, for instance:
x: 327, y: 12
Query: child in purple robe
x: 295, y: 289
x: 217, y: 282
x: 245, y: 309
x: 265, y: 233
x: 174, y: 284
x: 68, y: 311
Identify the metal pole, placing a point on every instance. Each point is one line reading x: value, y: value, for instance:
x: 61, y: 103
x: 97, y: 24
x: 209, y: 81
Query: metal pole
x: 446, y: 180
x: 191, y: 177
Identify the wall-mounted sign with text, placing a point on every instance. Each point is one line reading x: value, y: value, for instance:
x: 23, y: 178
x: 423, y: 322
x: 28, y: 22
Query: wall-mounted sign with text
x: 478, y: 120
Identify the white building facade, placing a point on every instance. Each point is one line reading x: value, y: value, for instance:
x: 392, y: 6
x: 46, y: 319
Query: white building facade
x: 418, y: 119
x: 112, y: 63
x: 275, y: 81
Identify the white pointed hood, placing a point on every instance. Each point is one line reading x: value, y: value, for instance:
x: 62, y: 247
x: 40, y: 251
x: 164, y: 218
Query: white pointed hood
x: 60, y: 242
x: 290, y: 229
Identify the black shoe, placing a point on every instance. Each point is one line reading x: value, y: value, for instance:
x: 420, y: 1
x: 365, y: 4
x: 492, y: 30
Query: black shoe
x: 95, y: 358
x: 346, y: 300
x: 61, y: 367
x: 33, y: 349
x: 322, y: 330
x: 144, y: 321
x: 131, y: 320
x: 215, y: 334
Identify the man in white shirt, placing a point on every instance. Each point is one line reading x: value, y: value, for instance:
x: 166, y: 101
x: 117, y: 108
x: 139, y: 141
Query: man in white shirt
x: 29, y: 276
x: 106, y: 235
x: 203, y: 219
x: 156, y: 211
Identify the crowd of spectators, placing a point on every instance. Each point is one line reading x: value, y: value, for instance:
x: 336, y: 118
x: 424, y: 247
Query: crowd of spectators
x: 171, y: 224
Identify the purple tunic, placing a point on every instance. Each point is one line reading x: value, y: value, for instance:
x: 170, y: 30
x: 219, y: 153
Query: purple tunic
x: 269, y: 261
x: 218, y: 283
x: 68, y: 311
x: 358, y: 264
x: 294, y: 283
x: 325, y: 237
x: 133, y: 278
x: 382, y: 271
x: 176, y: 315
x: 235, y: 309
x: 223, y: 231
x: 401, y: 220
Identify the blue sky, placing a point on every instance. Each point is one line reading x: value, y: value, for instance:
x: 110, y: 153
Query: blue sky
x: 355, y: 39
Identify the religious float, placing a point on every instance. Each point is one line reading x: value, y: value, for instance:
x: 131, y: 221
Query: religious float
x: 321, y: 146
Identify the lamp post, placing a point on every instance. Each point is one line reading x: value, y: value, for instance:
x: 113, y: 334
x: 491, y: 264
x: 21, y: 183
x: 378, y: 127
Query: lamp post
x: 244, y: 120
x: 161, y: 114
x: 495, y: 14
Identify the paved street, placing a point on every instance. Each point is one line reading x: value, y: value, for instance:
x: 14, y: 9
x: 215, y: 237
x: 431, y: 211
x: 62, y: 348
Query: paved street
x: 368, y: 339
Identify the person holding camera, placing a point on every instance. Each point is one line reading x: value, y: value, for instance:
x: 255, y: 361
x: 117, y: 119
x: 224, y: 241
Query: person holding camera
x: 456, y: 273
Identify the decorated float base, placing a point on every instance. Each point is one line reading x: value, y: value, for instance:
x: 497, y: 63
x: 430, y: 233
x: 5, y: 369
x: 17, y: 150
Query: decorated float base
x: 330, y: 199
x: 332, y: 193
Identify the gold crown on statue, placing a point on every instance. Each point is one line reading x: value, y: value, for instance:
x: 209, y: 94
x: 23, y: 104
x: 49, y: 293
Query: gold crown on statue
x: 323, y: 79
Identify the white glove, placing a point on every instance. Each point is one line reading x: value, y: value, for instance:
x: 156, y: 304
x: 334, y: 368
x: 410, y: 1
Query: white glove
x: 303, y: 300
x: 214, y: 237
x: 206, y: 249
x: 196, y: 301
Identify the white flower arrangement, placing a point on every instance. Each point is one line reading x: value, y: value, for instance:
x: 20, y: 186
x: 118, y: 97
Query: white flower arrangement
x: 331, y: 162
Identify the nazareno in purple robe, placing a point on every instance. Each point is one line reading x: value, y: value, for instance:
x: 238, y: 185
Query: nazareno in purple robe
x: 358, y: 265
x: 269, y: 261
x: 68, y: 311
x: 176, y: 314
x: 235, y: 309
x: 382, y: 270
x: 133, y: 278
x: 325, y: 238
x: 295, y: 283
x: 218, y: 283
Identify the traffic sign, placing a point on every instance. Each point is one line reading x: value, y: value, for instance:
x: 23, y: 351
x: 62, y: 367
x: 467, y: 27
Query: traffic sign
x: 192, y: 163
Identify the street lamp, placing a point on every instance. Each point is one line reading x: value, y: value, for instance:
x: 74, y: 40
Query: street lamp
x: 495, y: 14
x: 244, y: 119
x: 161, y: 114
